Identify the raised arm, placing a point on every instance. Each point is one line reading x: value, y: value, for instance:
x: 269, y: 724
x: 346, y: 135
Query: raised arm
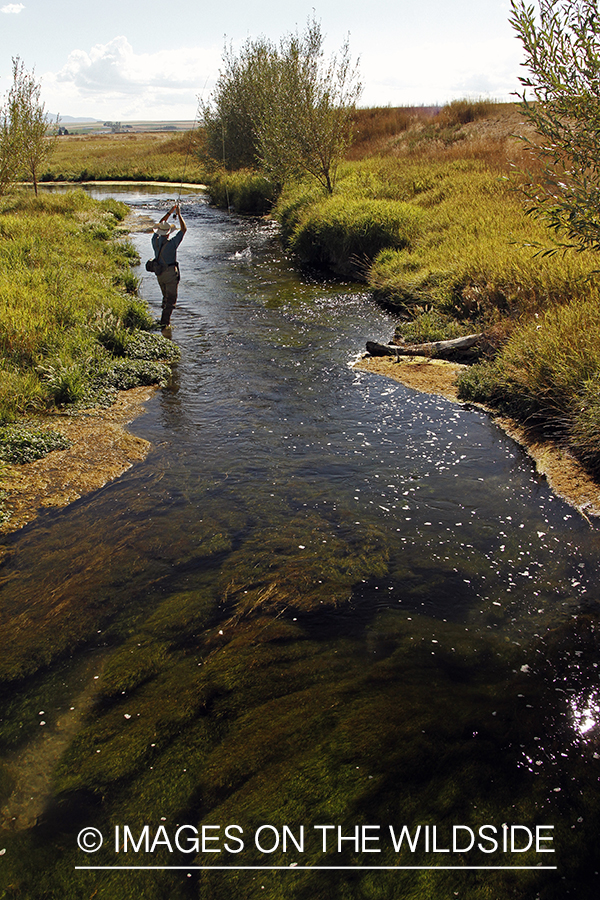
x: 182, y: 225
x: 167, y: 214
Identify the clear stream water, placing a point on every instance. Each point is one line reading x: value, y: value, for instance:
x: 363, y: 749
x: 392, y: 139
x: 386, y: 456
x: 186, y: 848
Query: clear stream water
x: 436, y: 608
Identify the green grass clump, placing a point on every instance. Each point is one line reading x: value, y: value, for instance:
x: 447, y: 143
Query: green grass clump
x: 138, y: 316
x: 342, y: 234
x: 19, y: 390
x: 428, y: 325
x: 584, y: 423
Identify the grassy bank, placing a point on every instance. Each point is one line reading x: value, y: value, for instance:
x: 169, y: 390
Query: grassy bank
x: 125, y: 157
x: 72, y: 330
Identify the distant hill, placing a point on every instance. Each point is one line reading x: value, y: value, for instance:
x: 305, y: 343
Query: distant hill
x: 73, y: 120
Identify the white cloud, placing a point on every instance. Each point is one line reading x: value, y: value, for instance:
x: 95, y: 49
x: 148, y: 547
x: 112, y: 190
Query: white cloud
x: 13, y: 8
x: 435, y: 72
x: 113, y: 81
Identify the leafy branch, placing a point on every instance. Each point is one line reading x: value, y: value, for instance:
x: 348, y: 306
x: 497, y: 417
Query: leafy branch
x: 562, y: 53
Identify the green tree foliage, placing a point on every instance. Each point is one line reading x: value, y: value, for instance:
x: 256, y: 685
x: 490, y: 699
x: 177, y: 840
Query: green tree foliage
x: 561, y: 39
x: 283, y: 108
x: 24, y: 141
x: 9, y: 140
x: 231, y: 118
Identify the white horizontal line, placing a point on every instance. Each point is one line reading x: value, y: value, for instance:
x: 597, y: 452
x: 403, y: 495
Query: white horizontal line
x: 311, y: 868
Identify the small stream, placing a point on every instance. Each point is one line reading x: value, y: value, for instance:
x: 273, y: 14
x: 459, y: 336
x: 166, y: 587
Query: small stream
x: 322, y: 598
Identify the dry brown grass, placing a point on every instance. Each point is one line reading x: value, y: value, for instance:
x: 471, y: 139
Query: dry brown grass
x: 373, y: 128
x: 486, y: 131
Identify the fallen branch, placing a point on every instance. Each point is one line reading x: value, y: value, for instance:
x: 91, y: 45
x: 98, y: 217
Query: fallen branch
x: 432, y: 348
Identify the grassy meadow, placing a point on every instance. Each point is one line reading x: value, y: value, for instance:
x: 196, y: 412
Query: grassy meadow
x: 125, y: 157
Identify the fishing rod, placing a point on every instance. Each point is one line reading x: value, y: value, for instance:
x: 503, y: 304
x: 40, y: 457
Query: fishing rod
x: 224, y: 166
x: 189, y: 144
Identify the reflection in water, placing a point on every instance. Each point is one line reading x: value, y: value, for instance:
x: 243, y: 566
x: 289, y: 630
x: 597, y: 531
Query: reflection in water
x: 325, y: 598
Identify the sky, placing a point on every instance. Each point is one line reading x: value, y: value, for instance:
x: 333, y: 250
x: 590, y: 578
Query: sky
x: 130, y: 60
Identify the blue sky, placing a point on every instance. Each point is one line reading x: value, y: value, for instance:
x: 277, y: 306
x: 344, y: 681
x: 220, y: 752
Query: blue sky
x: 128, y: 59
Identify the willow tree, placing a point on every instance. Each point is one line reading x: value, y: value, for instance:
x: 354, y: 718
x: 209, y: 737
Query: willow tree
x: 9, y: 138
x: 284, y: 108
x: 25, y: 144
x: 561, y: 99
x: 231, y: 116
x: 307, y: 128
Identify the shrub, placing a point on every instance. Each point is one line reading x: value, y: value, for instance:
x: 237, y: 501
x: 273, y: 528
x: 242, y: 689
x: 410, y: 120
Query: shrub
x: 482, y: 383
x: 283, y: 108
x: 461, y: 112
x: 246, y: 191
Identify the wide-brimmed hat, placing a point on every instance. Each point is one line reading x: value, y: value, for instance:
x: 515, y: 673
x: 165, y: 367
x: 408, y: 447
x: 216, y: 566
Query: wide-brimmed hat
x: 164, y: 227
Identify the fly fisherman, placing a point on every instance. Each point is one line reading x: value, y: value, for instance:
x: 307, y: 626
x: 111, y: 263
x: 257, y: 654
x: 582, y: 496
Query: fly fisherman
x: 165, y: 251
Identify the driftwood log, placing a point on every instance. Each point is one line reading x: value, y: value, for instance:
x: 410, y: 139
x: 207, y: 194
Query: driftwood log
x: 440, y: 349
